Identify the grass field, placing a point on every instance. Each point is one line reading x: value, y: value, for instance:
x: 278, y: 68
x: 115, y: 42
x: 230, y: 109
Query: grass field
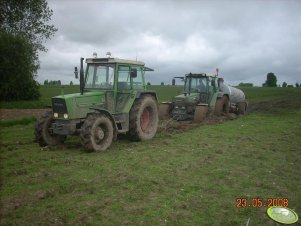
x: 165, y: 93
x: 177, y: 178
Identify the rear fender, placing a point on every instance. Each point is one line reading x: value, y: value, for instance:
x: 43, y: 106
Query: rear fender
x: 148, y: 92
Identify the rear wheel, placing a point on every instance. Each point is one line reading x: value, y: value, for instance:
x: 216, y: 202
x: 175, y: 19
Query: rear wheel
x: 242, y: 107
x: 222, y: 106
x: 143, y: 119
x: 43, y: 133
x: 97, y: 132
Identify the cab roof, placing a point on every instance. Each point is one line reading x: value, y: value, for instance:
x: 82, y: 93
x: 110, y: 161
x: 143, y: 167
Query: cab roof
x: 113, y: 60
x: 119, y: 61
x: 200, y: 75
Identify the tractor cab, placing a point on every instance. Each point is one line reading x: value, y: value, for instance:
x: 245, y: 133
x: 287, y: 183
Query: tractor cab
x: 200, y: 86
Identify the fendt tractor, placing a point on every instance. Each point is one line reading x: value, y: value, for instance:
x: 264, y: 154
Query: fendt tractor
x: 113, y: 99
x: 203, y: 94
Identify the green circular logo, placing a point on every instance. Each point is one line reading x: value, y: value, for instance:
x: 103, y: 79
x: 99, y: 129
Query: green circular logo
x: 282, y: 215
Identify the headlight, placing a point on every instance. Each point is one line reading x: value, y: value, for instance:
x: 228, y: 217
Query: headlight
x: 55, y: 115
x: 65, y: 116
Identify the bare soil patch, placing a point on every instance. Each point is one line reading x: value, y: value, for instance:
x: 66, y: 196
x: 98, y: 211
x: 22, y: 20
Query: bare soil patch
x: 8, y: 114
x: 171, y: 125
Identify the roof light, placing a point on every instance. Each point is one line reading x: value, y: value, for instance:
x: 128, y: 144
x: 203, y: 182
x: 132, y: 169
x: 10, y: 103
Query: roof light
x: 94, y: 54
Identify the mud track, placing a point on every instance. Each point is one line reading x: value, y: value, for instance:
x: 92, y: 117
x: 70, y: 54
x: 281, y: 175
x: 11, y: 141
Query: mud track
x: 9, y: 114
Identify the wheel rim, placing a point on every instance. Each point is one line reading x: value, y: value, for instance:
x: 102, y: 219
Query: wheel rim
x: 100, y: 133
x: 144, y: 119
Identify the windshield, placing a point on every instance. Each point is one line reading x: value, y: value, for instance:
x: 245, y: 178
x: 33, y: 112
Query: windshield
x: 100, y: 76
x: 193, y: 85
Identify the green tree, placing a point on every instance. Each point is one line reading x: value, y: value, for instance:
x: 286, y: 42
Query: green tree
x: 284, y: 84
x: 246, y: 84
x: 297, y: 85
x: 23, y: 29
x: 71, y: 83
x: 46, y: 82
x: 271, y: 80
x: 17, y: 68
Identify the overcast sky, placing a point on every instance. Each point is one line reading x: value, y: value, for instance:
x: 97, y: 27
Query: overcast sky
x: 244, y: 39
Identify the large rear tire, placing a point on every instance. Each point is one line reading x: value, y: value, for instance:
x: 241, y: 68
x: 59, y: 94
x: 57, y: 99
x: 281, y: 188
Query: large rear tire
x: 143, y: 119
x: 97, y: 132
x: 43, y: 134
x: 200, y: 113
x: 222, y: 106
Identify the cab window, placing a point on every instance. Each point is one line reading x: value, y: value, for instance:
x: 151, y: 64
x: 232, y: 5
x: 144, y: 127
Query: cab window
x: 124, y: 78
x: 138, y: 81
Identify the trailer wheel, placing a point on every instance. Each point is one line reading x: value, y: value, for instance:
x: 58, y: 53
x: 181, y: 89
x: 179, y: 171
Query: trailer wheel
x: 164, y: 111
x: 97, y: 132
x: 222, y: 106
x: 143, y: 119
x: 200, y: 113
x: 43, y: 135
x: 242, y: 107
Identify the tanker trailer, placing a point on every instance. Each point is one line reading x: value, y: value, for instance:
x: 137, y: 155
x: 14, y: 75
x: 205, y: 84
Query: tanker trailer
x: 237, y: 99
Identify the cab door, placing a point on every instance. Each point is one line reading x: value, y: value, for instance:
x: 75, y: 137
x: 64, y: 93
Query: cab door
x: 211, y: 88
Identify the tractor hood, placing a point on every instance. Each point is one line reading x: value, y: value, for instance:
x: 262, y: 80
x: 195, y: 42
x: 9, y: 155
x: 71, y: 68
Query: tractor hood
x: 77, y: 105
x: 187, y: 99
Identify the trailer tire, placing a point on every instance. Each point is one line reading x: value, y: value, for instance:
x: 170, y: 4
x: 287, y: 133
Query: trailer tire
x: 42, y: 134
x: 97, y: 132
x: 242, y: 107
x: 222, y: 106
x: 200, y: 113
x: 143, y: 119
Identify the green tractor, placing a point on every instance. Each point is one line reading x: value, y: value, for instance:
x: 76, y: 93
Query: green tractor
x: 203, y: 93
x: 113, y: 100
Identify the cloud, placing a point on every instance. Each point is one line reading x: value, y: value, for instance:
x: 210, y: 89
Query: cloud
x: 245, y: 39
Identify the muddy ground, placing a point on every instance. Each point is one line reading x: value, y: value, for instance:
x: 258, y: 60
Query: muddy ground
x: 8, y: 114
x: 166, y: 125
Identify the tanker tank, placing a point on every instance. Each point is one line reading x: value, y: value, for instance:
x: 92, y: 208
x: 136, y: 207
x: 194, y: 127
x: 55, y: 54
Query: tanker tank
x: 235, y: 95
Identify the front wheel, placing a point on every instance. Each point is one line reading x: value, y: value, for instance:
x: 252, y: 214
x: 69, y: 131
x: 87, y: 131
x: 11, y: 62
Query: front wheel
x: 43, y: 132
x: 222, y: 106
x: 143, y: 119
x: 97, y: 132
x: 200, y: 113
x: 164, y: 111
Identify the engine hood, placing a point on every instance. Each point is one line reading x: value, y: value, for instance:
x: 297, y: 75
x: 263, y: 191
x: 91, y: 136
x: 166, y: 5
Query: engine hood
x: 77, y: 105
x: 188, y: 99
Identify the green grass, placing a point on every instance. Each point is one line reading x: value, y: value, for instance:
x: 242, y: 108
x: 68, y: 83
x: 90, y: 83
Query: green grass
x: 165, y: 93
x: 45, y: 100
x: 177, y: 178
x: 20, y: 121
x: 259, y: 94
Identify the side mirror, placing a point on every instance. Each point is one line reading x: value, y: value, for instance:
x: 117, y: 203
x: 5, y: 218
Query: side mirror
x: 134, y: 73
x: 75, y: 72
